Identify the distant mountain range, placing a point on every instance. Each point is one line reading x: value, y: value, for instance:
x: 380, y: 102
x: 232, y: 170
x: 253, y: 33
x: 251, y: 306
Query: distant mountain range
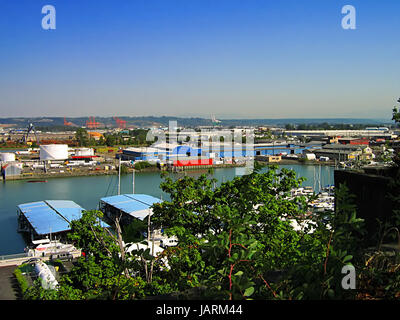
x: 150, y: 121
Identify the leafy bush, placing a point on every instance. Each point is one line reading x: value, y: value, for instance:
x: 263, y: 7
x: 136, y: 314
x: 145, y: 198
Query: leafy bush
x: 124, y: 169
x: 22, y: 282
x: 143, y: 165
x: 235, y: 241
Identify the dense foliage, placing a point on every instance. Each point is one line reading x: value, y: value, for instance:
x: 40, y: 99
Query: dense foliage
x: 236, y: 241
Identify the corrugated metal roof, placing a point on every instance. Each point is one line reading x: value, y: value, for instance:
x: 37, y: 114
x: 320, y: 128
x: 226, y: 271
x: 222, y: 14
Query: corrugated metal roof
x: 52, y: 216
x: 68, y: 209
x: 136, y: 205
x: 145, y: 198
x: 42, y: 218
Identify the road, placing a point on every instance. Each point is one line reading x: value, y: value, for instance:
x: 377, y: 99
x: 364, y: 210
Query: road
x: 8, y: 284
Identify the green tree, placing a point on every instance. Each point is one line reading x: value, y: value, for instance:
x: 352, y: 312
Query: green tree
x: 396, y: 113
x: 111, y: 140
x: 341, y: 234
x: 232, y: 236
x: 82, y: 137
x: 394, y: 193
x: 236, y: 241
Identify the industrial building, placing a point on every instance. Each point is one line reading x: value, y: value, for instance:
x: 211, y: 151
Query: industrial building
x: 339, y: 155
x: 209, y: 153
x: 375, y: 132
x: 10, y: 170
x: 7, y: 157
x: 345, y: 152
x: 354, y: 141
x: 84, y: 152
x: 282, y: 148
x: 95, y: 135
x: 270, y: 159
x: 8, y: 165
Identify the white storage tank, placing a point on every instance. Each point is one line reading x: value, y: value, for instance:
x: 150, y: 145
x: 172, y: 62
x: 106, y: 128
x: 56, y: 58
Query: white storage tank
x: 7, y: 157
x: 53, y: 152
x: 81, y: 152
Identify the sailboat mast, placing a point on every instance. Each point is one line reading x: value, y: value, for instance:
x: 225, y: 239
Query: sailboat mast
x: 119, y: 176
x: 133, y: 180
x: 320, y: 178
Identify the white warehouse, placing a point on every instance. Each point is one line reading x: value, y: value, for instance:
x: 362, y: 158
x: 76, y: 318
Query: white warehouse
x: 7, y: 157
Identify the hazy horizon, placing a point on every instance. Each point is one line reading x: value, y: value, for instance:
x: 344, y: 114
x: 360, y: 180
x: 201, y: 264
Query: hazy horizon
x: 383, y: 120
x: 232, y: 59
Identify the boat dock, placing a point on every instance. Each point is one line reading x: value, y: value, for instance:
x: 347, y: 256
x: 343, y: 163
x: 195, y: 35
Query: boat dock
x: 20, y: 258
x: 50, y: 217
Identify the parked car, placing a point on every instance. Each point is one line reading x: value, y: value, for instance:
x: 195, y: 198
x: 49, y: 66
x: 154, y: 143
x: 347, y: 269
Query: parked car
x: 64, y: 256
x: 31, y: 260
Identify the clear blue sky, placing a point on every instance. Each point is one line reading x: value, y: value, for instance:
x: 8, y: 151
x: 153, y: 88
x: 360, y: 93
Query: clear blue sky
x: 231, y: 58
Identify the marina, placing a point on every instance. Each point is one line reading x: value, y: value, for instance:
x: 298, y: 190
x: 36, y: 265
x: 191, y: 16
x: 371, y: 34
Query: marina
x: 87, y: 192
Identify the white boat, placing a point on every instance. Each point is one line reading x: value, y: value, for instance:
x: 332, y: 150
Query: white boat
x: 306, y: 191
x: 45, y: 247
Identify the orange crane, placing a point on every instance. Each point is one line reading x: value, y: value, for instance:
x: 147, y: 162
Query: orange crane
x: 92, y: 124
x: 66, y: 123
x: 120, y: 123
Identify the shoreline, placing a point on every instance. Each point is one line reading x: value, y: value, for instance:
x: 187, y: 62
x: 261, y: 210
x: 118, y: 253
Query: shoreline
x: 43, y: 176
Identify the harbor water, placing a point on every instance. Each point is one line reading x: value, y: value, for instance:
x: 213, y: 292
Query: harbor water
x: 87, y: 191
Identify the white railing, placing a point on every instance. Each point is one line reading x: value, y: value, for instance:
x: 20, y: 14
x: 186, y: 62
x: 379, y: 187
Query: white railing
x: 13, y: 256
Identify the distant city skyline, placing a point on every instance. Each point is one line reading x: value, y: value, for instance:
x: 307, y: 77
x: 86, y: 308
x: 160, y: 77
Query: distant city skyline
x: 232, y: 59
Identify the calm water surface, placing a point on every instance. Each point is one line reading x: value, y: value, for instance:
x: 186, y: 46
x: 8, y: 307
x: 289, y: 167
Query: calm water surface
x: 87, y: 191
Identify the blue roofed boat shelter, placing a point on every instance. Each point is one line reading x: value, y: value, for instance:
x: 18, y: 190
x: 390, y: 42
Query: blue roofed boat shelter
x: 46, y: 217
x: 128, y: 206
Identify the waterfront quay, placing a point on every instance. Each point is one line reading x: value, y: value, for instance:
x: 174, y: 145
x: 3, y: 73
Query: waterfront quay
x: 39, y: 175
x: 65, y: 160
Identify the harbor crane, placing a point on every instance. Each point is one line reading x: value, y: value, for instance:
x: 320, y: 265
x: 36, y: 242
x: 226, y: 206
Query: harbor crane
x: 31, y: 128
x: 67, y: 123
x: 120, y: 123
x: 92, y: 123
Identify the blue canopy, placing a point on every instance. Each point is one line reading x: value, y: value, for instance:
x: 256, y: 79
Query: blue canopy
x: 136, y: 205
x: 43, y: 218
x: 52, y: 216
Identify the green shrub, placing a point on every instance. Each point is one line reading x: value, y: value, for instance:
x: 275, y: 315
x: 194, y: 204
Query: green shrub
x: 124, y: 169
x: 142, y: 165
x: 22, y: 282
